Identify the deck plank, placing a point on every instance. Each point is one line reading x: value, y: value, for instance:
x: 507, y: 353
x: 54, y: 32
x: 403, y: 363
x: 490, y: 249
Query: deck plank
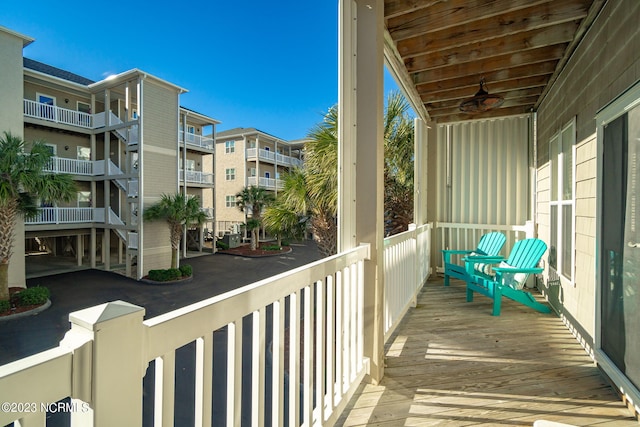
x: 451, y: 363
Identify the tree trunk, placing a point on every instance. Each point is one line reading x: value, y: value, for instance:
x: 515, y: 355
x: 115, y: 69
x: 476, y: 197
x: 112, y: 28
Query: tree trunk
x: 174, y: 258
x: 4, y: 281
x: 8, y: 213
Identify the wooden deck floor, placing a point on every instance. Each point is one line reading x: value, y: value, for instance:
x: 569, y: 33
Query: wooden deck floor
x: 452, y: 364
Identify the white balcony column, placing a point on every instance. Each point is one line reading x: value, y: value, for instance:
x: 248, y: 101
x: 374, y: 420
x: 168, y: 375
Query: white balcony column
x: 106, y: 236
x: 361, y: 149
x: 258, y: 160
x: 420, y: 178
x: 79, y: 248
x: 92, y: 245
x: 118, y: 361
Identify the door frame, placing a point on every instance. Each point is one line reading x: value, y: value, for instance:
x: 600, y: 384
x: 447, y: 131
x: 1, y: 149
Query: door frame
x: 619, y: 106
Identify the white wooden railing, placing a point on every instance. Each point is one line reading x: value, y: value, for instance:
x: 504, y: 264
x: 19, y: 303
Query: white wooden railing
x: 315, y: 321
x: 196, y: 177
x: 52, y: 113
x: 70, y: 166
x: 272, y: 157
x: 197, y: 140
x: 406, y: 268
x: 451, y: 235
x: 65, y: 116
x: 269, y: 183
x: 56, y: 215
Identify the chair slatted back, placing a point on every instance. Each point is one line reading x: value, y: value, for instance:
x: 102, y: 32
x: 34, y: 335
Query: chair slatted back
x: 491, y: 243
x: 527, y: 253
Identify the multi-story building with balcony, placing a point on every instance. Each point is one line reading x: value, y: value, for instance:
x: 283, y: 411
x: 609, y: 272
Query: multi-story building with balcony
x: 126, y: 141
x: 249, y: 157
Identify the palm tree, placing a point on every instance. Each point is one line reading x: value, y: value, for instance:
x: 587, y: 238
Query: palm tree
x: 254, y: 199
x: 398, y: 164
x: 22, y: 182
x: 283, y: 220
x: 313, y: 190
x: 179, y: 211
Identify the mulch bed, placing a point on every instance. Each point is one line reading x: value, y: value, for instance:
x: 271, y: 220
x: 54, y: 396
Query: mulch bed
x: 15, y: 308
x: 245, y: 250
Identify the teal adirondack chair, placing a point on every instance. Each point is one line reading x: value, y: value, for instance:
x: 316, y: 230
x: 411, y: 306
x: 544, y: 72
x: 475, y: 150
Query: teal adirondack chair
x: 510, y: 275
x: 490, y: 245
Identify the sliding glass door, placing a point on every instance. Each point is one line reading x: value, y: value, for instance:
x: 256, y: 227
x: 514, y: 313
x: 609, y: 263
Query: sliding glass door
x: 620, y: 243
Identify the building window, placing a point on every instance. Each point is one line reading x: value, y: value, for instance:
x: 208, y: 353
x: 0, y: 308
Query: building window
x: 252, y: 172
x: 83, y: 153
x: 53, y: 149
x: 561, y: 157
x: 83, y: 107
x: 267, y: 175
x: 230, y: 174
x: 84, y: 199
x: 191, y: 164
x: 230, y: 201
x: 230, y: 147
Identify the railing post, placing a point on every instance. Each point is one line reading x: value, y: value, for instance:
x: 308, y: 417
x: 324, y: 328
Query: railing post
x: 530, y: 229
x: 118, y: 364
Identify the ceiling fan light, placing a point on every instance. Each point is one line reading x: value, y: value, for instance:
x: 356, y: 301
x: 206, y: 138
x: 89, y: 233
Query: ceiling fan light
x: 481, y: 101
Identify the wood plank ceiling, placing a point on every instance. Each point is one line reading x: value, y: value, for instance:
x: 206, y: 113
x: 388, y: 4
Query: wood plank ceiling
x: 518, y: 46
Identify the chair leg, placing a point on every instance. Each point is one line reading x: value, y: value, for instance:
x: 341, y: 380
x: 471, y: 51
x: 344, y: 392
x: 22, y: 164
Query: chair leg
x: 446, y: 279
x: 469, y: 294
x: 497, y: 301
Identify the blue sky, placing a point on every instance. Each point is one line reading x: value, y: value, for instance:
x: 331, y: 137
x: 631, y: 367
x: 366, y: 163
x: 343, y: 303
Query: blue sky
x: 269, y: 65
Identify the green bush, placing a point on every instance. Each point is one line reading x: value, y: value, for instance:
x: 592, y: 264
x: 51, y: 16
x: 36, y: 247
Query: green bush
x: 186, y: 270
x: 33, y: 296
x: 222, y: 245
x: 174, y: 273
x: 166, y: 275
x: 271, y: 248
x: 286, y: 243
x: 5, y: 305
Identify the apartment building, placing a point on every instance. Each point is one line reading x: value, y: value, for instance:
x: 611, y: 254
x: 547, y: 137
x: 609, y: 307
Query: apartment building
x: 126, y: 141
x: 246, y: 157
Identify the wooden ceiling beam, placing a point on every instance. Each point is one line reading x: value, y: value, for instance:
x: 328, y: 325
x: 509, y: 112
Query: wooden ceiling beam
x: 393, y: 8
x: 481, y: 68
x: 523, y: 71
x: 449, y: 14
x: 456, y: 95
x: 526, y: 102
x: 540, y: 37
x: 498, y: 112
x: 540, y: 16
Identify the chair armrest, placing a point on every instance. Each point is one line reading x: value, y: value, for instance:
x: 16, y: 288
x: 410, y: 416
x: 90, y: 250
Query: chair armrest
x: 534, y: 270
x: 486, y: 259
x: 455, y: 251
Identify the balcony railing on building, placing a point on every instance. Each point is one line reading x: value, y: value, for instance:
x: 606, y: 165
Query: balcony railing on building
x: 272, y: 157
x: 196, y: 177
x: 65, y: 116
x: 66, y: 215
x: 197, y: 140
x: 268, y: 183
x: 70, y: 166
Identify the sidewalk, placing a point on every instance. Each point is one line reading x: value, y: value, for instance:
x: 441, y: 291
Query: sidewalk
x: 213, y: 275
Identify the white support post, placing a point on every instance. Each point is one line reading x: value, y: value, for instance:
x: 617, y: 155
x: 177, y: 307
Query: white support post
x: 118, y: 365
x: 420, y: 176
x: 361, y: 149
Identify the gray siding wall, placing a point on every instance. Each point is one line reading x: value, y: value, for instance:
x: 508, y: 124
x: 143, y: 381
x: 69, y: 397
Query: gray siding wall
x: 11, y: 120
x: 604, y: 65
x: 159, y: 167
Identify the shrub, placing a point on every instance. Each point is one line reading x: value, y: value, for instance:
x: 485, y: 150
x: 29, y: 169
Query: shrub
x: 33, y: 296
x: 271, y: 248
x: 186, y: 270
x: 158, y: 275
x: 5, y: 305
x: 174, y: 273
x: 286, y: 243
x: 165, y: 275
x: 222, y: 245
